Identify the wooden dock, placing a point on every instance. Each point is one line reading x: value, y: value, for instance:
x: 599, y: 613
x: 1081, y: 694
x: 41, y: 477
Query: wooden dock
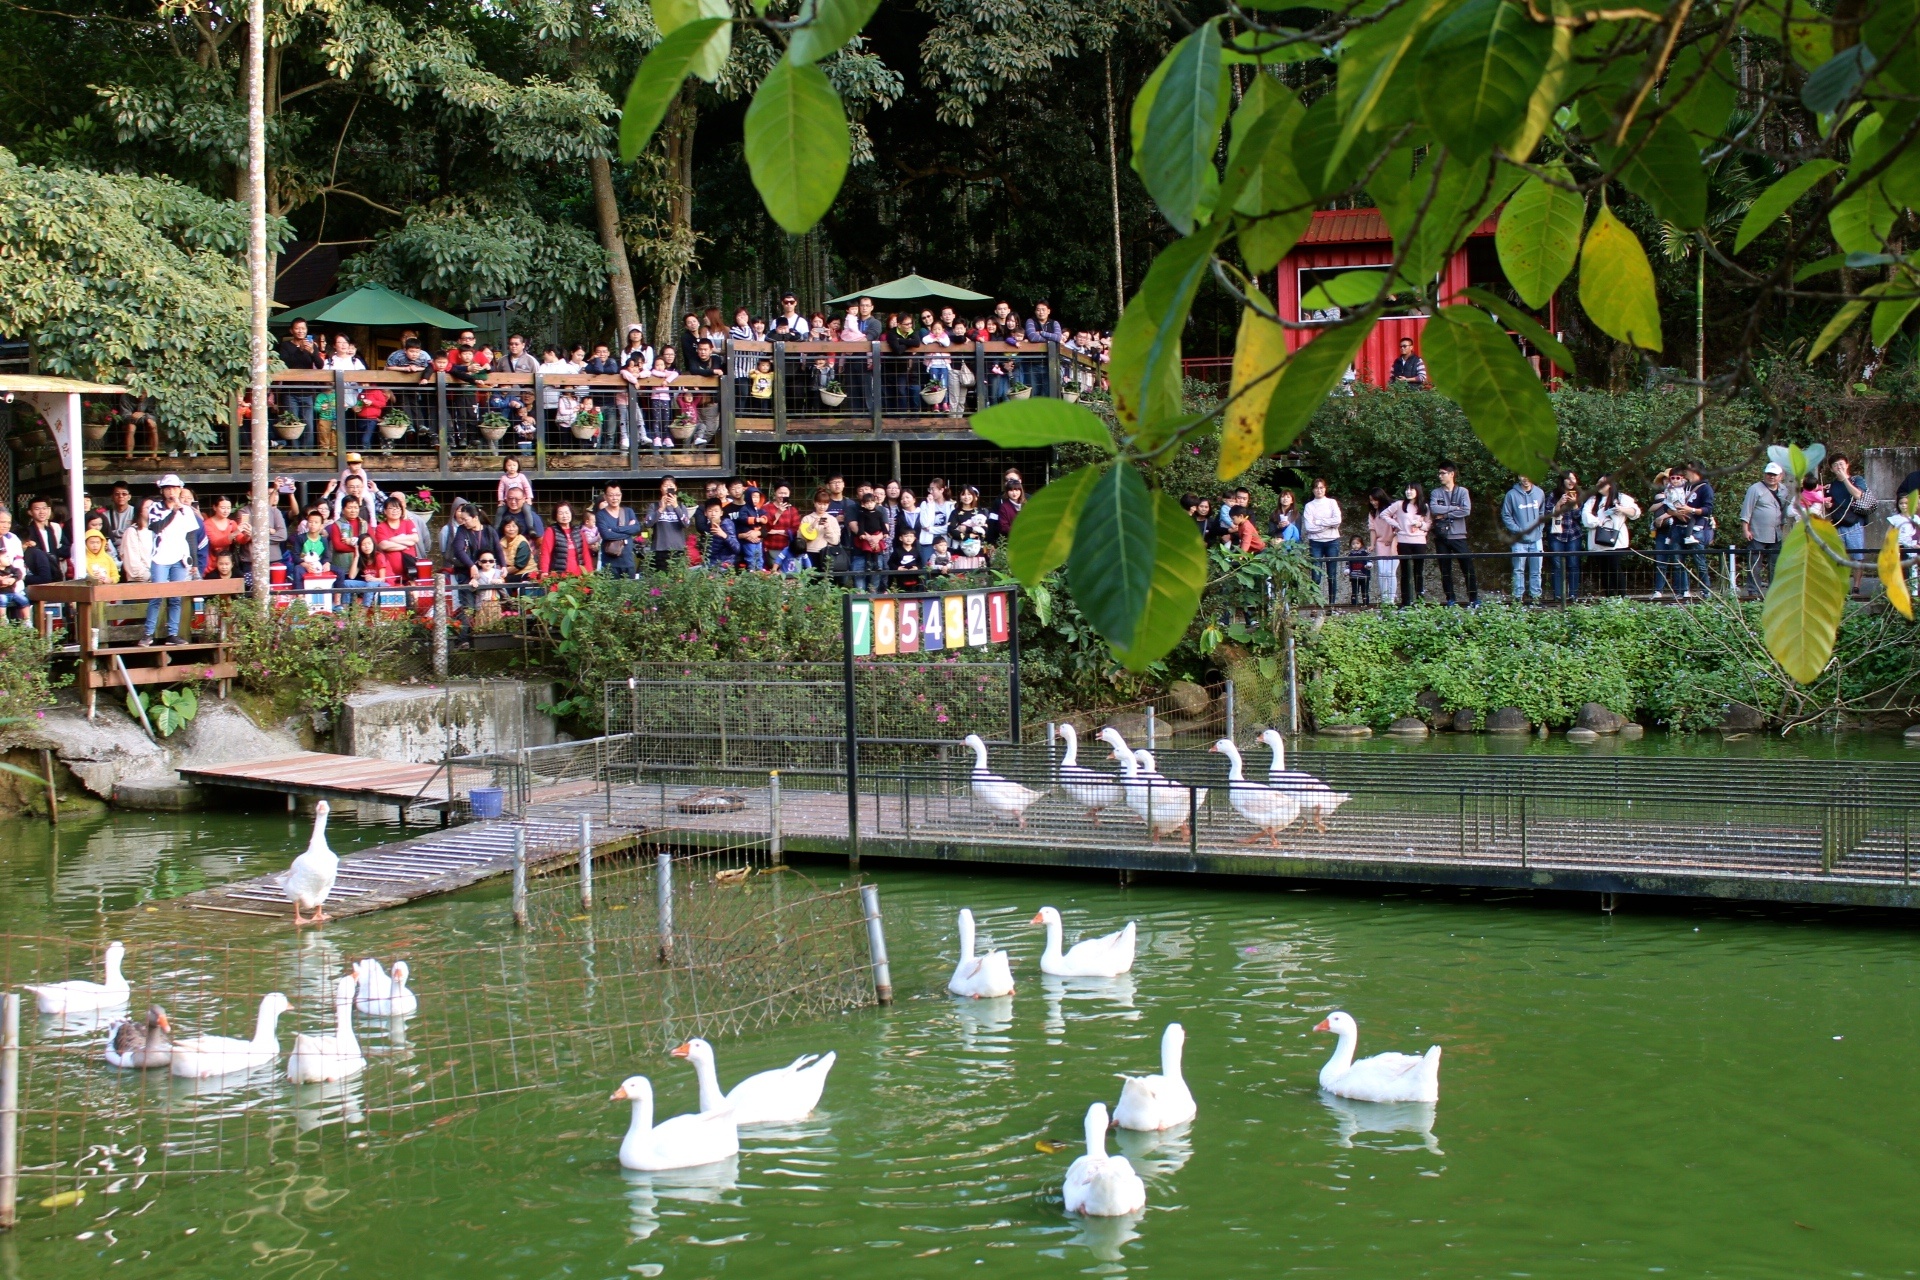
x: 334, y: 777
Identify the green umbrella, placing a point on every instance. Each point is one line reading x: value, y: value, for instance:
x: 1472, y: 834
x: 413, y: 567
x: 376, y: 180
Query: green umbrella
x: 376, y: 305
x: 911, y: 289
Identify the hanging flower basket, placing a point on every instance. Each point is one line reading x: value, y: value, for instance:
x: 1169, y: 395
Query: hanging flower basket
x: 587, y: 425
x: 393, y: 424
x: 288, y: 427
x: 493, y: 426
x: 1019, y: 391
x: 682, y: 429
x: 833, y: 395
x: 933, y: 392
x: 1070, y: 395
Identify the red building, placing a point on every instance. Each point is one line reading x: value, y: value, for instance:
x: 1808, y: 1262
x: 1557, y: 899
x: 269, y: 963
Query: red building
x: 1341, y: 240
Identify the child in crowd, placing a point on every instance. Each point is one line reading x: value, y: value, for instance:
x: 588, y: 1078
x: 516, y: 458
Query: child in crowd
x: 940, y: 559
x: 750, y: 527
x: 1245, y: 536
x: 760, y: 387
x: 1357, y: 567
x: 525, y: 425
x: 567, y: 408
x: 906, y: 563
x: 722, y: 539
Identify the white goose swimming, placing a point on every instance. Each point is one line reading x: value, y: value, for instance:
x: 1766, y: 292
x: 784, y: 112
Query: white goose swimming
x: 979, y: 976
x: 1107, y: 956
x: 781, y: 1096
x: 203, y: 1057
x: 683, y: 1142
x: 1316, y: 798
x: 1089, y: 787
x: 1385, y: 1077
x: 1158, y: 1101
x: 1002, y: 795
x: 133, y: 1047
x: 1269, y: 809
x: 334, y: 1057
x: 1100, y: 1185
x: 77, y: 995
x: 310, y: 879
x: 381, y: 996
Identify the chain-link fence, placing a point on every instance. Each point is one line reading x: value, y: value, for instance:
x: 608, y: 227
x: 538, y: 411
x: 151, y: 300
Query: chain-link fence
x: 680, y: 936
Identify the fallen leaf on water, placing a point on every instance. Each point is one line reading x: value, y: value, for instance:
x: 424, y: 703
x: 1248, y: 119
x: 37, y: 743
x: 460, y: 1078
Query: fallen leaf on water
x: 1803, y: 1226
x: 61, y: 1199
x: 1047, y: 1146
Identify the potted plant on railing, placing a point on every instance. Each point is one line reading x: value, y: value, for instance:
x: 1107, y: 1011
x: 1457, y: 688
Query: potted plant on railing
x: 683, y: 426
x: 833, y: 395
x: 1018, y: 390
x: 934, y: 392
x: 393, y: 423
x: 288, y: 426
x: 586, y: 424
x: 95, y: 420
x: 493, y: 426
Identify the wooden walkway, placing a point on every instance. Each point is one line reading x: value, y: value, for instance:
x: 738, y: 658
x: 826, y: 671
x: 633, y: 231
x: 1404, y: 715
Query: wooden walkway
x: 333, y: 777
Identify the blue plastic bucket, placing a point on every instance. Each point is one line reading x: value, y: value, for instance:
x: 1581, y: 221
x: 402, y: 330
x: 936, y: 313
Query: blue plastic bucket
x: 486, y: 801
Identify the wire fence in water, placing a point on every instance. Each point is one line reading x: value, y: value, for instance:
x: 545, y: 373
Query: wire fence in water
x: 736, y: 942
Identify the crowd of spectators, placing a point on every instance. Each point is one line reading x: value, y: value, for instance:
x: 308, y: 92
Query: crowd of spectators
x: 671, y: 394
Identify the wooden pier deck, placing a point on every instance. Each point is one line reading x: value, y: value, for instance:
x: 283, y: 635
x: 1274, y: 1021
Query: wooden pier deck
x: 335, y: 777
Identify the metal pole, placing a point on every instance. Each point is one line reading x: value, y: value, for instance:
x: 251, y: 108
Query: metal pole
x: 1152, y: 725
x: 520, y: 877
x: 1230, y: 716
x: 774, y: 850
x: 1293, y: 689
x: 876, y: 945
x: 586, y: 863
x: 1053, y: 739
x: 53, y: 794
x: 853, y: 740
x: 1523, y: 829
x: 1193, y: 822
x: 1013, y: 677
x: 10, y: 1107
x: 663, y: 900
x: 439, y: 626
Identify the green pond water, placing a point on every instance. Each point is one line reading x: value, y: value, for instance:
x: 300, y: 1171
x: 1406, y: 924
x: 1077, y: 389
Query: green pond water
x: 1678, y: 1090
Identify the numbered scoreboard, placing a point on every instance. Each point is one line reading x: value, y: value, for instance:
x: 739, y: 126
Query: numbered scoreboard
x: 907, y: 624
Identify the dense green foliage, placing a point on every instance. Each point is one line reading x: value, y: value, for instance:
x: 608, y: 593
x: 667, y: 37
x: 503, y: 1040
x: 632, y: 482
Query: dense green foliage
x: 312, y: 662
x: 25, y: 672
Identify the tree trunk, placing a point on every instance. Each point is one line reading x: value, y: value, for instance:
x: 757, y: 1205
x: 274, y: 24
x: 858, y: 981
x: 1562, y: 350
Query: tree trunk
x: 1113, y: 184
x: 606, y: 211
x: 257, y: 268
x: 678, y: 136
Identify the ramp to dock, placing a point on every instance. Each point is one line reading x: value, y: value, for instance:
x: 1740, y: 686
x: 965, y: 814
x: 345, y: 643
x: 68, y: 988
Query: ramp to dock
x: 334, y: 777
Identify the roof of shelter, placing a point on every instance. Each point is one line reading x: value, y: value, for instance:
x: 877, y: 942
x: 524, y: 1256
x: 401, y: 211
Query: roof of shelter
x: 1362, y: 226
x: 911, y: 288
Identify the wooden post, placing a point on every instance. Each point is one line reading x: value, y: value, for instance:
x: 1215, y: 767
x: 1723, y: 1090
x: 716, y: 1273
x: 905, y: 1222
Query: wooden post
x: 774, y: 851
x: 9, y: 1108
x: 53, y: 795
x: 663, y: 901
x: 586, y: 863
x: 520, y: 877
x: 876, y: 945
x: 779, y: 391
x: 1193, y: 821
x: 875, y: 381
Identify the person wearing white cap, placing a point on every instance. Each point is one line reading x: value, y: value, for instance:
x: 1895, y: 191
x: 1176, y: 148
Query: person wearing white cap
x: 175, y: 530
x: 1764, y: 516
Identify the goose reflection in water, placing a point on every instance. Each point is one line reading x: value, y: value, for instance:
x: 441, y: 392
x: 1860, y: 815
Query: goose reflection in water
x: 1105, y: 1238
x: 984, y: 1023
x: 1092, y: 997
x: 1352, y: 1118
x: 329, y: 1102
x: 1157, y: 1154
x: 704, y: 1184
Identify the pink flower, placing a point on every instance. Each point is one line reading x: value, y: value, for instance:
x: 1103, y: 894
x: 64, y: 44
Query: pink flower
x: 655, y: 591
x: 209, y: 674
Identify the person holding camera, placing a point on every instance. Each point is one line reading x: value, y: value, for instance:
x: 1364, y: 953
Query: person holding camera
x: 1849, y: 506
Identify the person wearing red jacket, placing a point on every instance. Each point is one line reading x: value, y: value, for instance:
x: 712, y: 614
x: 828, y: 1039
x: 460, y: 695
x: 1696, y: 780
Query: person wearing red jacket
x: 564, y: 552
x: 783, y: 527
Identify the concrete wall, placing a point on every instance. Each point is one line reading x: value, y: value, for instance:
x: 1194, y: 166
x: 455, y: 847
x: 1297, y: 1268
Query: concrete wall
x: 413, y: 723
x: 1884, y: 469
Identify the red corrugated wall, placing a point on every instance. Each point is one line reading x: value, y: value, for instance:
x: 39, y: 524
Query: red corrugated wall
x: 1383, y: 344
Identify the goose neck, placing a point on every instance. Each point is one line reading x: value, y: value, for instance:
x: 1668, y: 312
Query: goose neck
x: 642, y: 1124
x: 1053, y: 937
x: 1072, y: 756
x: 1096, y: 1132
x: 116, y: 981
x: 1236, y: 771
x: 711, y: 1099
x: 1279, y: 752
x: 966, y: 934
x: 1171, y: 1049
x: 979, y: 755
x: 266, y: 1024
x: 1342, y: 1054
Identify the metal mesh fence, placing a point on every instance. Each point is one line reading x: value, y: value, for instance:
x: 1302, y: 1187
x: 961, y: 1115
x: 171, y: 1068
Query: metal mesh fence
x: 736, y: 942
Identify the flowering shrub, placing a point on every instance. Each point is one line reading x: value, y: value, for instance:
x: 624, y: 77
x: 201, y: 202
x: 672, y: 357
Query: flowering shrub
x: 25, y: 685
x: 313, y: 661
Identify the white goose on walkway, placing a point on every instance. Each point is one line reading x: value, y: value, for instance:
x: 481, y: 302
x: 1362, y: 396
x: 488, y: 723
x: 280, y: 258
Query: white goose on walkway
x: 334, y: 1057
x: 781, y: 1096
x: 1158, y: 1101
x: 381, y: 995
x: 1166, y: 791
x: 1088, y: 787
x: 1100, y: 1185
x: 1002, y: 795
x: 1385, y: 1077
x: 310, y: 879
x: 1317, y: 799
x: 1269, y: 809
x: 1107, y: 956
x: 1153, y: 809
x: 77, y: 995
x: 203, y: 1057
x: 979, y: 976
x: 683, y: 1142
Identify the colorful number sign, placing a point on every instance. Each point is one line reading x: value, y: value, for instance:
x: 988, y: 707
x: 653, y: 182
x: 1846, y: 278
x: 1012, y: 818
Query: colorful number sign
x: 884, y: 625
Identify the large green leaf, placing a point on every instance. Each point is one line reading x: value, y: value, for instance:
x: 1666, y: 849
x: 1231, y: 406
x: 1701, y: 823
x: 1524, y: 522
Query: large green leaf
x: 829, y: 25
x: 797, y: 144
x: 1183, y: 126
x: 670, y: 15
x: 1273, y: 184
x: 658, y: 81
x: 1616, y: 283
x: 1310, y: 375
x: 1258, y: 353
x: 1539, y: 236
x: 1665, y: 172
x: 1039, y: 421
x: 1862, y: 222
x: 1477, y: 73
x: 1836, y: 80
x: 1801, y: 616
x: 1179, y: 576
x: 1142, y: 109
x: 1376, y: 84
x: 1516, y: 319
x: 1903, y: 296
x: 1465, y: 195
x: 1110, y: 568
x: 1806, y: 32
x: 1841, y: 321
x: 1708, y: 104
x: 1144, y: 369
x: 1315, y: 140
x: 1475, y: 364
x: 1779, y: 197
x: 1043, y: 534
x: 1348, y: 289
